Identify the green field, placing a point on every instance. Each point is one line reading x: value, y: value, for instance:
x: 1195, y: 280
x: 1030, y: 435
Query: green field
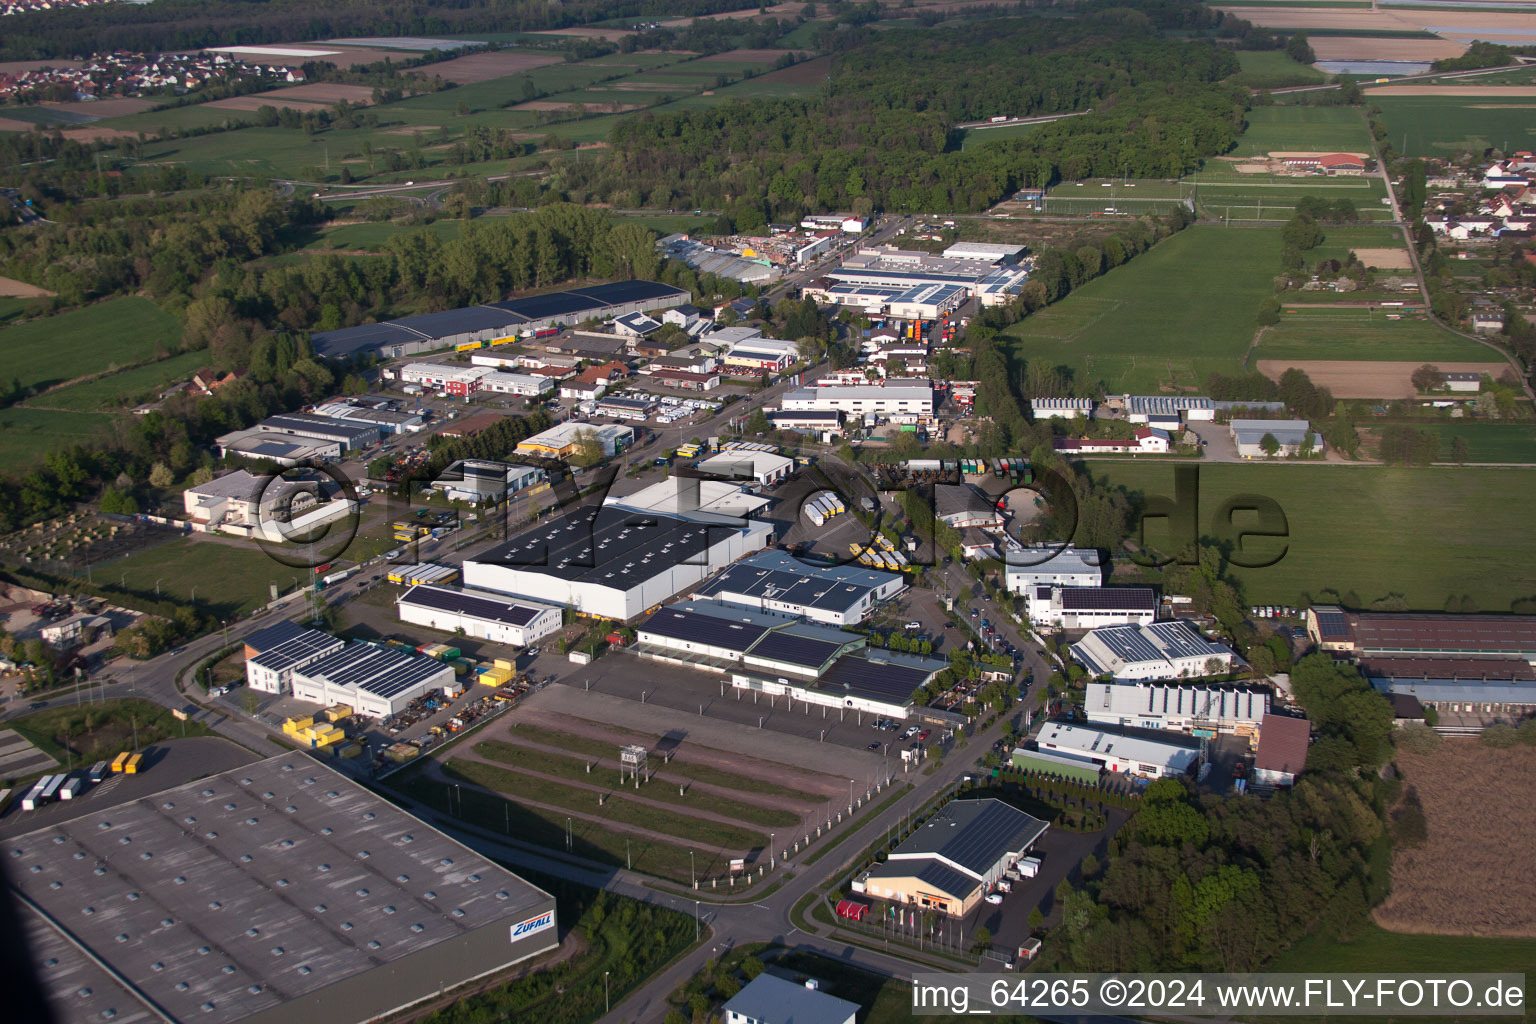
x: 1272, y: 69
x: 1318, y: 129
x: 1422, y: 533
x: 118, y: 332
x: 374, y: 234
x: 1339, y: 241
x: 230, y: 576
x: 1225, y: 194
x: 1353, y: 333
x: 121, y: 390
x: 1486, y: 442
x: 1161, y: 318
x: 26, y: 435
x: 1444, y: 126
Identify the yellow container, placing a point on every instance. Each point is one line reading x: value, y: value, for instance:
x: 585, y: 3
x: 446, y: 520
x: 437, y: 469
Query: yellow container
x: 505, y: 663
x: 120, y: 761
x: 338, y: 712
x: 132, y: 767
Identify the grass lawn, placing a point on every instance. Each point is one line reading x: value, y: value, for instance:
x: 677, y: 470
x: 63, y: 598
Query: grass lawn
x: 26, y: 435
x: 125, y: 389
x: 374, y: 234
x: 1271, y: 69
x: 621, y: 810
x: 87, y: 733
x: 10, y: 309
x: 1225, y: 194
x: 575, y: 770
x: 1328, y: 129
x: 1443, y: 126
x: 1353, y: 333
x: 698, y: 772
x: 1158, y: 319
x: 97, y: 337
x: 1422, y: 533
x: 1486, y: 442
x: 1338, y: 241
x: 232, y: 578
x: 589, y: 839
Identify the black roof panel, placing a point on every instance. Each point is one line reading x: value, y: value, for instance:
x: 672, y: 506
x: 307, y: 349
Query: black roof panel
x: 513, y: 613
x: 796, y: 650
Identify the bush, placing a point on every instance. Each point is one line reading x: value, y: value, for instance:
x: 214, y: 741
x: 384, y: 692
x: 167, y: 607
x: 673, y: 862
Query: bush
x: 1500, y: 736
x: 1527, y: 732
x: 1418, y: 739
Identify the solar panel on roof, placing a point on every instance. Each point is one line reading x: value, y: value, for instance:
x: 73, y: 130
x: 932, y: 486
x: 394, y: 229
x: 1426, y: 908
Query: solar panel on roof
x: 510, y: 612
x: 350, y: 340
x: 878, y: 679
x: 271, y: 636
x: 946, y: 879
x: 622, y: 292
x: 1107, y: 598
x: 795, y: 650
x: 695, y: 627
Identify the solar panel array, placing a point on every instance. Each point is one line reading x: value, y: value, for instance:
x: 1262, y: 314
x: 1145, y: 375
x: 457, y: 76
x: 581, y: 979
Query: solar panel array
x: 607, y: 545
x: 295, y: 650
x: 1181, y: 640
x: 269, y: 637
x: 1332, y: 625
x: 1128, y: 643
x: 698, y: 628
x: 946, y: 879
x: 809, y: 588
x: 1084, y: 599
x: 974, y: 834
x: 880, y: 679
x: 447, y: 599
x: 796, y: 650
x: 382, y: 671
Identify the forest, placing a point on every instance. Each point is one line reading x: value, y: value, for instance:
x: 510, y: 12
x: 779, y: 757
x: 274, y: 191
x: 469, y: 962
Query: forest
x: 1158, y: 110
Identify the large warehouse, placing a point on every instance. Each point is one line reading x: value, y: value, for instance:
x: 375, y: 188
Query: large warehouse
x: 276, y: 893
x: 951, y: 861
x: 780, y: 584
x: 376, y: 681
x: 1052, y: 564
x: 1091, y: 607
x: 910, y: 398
x: 1160, y: 650
x: 1119, y: 752
x: 614, y: 562
x: 275, y: 653
x: 411, y: 335
x: 479, y: 613
x: 1406, y: 634
x: 1183, y: 707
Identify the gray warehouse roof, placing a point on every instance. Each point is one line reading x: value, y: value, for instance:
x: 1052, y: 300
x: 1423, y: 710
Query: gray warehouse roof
x: 974, y: 834
x: 475, y: 603
x: 250, y: 892
x: 301, y: 646
x: 774, y: 1000
x: 382, y: 671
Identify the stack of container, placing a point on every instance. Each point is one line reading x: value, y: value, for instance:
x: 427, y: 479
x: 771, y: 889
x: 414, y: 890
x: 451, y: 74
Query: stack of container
x: 496, y: 676
x: 442, y: 652
x: 316, y: 734
x: 294, y: 726
x: 337, y: 713
x: 400, y: 752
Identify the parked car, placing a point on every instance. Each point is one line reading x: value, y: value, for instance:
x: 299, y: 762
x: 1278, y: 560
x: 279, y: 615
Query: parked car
x: 994, y: 898
x: 873, y: 746
x: 924, y: 734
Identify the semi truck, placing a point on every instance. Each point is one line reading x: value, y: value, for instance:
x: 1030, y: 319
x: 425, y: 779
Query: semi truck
x: 72, y: 787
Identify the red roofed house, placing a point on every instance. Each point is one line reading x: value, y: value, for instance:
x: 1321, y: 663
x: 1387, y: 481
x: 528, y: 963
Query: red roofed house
x: 1342, y: 163
x: 1282, y: 753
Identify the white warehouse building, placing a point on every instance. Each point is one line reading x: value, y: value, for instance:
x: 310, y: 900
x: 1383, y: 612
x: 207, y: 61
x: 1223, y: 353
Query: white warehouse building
x: 273, y: 654
x: 479, y: 614
x: 1117, y: 752
x: 777, y: 583
x: 376, y: 681
x: 1091, y: 607
x: 893, y: 398
x: 1161, y: 650
x: 613, y: 561
x: 1051, y: 565
x: 1182, y: 707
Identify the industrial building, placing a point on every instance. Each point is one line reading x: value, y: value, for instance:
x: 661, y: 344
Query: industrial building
x: 1146, y: 408
x: 282, y: 449
x: 1091, y: 607
x: 922, y: 301
x: 373, y: 680
x: 962, y: 506
x: 757, y: 354
x: 806, y: 421
x: 768, y: 999
x: 614, y: 562
x: 1061, y: 408
x: 684, y: 495
x: 954, y: 858
x: 478, y: 613
x: 280, y: 892
x: 777, y: 583
x: 1044, y: 762
x: 1374, y: 635
x: 381, y: 414
x: 1291, y: 436
x: 707, y: 259
x: 1159, y: 650
x: 993, y: 281
x: 763, y: 468
x: 1119, y: 752
x: 458, y: 381
x: 494, y: 321
x: 272, y: 655
x: 526, y: 385
x: 893, y: 399
x: 1200, y: 708
x: 349, y: 434
x: 269, y: 508
x: 1282, y: 753
x: 560, y: 440
x: 481, y: 481
x: 1051, y: 565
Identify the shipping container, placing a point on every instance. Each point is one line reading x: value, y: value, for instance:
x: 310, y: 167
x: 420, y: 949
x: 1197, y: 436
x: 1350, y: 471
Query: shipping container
x: 51, y: 790
x: 72, y: 787
x: 30, y: 801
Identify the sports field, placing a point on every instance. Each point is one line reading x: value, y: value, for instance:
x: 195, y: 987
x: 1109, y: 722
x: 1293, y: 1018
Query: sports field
x: 1444, y: 126
x: 118, y: 332
x: 1355, y: 333
x: 1226, y: 194
x: 1421, y: 533
x: 1112, y: 196
x: 1315, y: 129
x: 1168, y: 317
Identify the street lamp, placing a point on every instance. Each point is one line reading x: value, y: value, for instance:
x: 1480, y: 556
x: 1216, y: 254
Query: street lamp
x: 695, y: 920
x: 605, y: 991
x: 693, y: 879
x: 157, y: 586
x: 194, y: 595
x: 771, y: 857
x: 850, y: 796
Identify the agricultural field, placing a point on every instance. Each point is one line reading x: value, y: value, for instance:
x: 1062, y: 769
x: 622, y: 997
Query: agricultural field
x: 1421, y: 533
x: 119, y: 391
x: 1354, y: 333
x: 102, y: 336
x: 1094, y: 197
x: 1444, y: 126
x: 1368, y: 378
x: 1274, y: 69
x: 26, y: 435
x: 1303, y: 129
x: 1486, y: 442
x: 1338, y: 242
x: 1467, y: 878
x: 1157, y: 321
x: 1227, y: 195
x: 1376, y: 946
x: 232, y: 576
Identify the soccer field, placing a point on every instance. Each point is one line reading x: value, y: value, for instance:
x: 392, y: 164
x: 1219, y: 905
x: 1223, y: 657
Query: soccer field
x: 1309, y: 129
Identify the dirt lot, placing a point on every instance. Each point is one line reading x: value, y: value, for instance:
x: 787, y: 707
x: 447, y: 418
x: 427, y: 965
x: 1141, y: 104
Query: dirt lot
x: 482, y: 67
x: 16, y: 67
x: 611, y: 35
x: 809, y: 72
x: 780, y: 11
x: 1351, y: 378
x: 266, y: 99
x: 303, y: 98
x: 11, y: 288
x: 8, y: 125
x: 747, y: 56
x: 1453, y: 90
x: 119, y: 106
x: 1370, y: 48
x: 93, y: 133
x: 1385, y: 259
x: 1471, y: 876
